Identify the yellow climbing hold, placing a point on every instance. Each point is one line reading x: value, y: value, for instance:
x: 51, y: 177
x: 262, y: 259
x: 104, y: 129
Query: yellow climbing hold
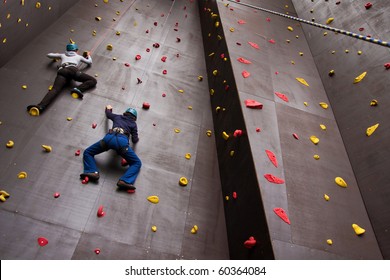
x: 75, y: 95
x: 374, y: 102
x: 3, y: 195
x: 105, y: 1
x: 200, y: 78
x: 217, y: 109
x: 194, y: 229
x: 208, y: 133
x: 360, y: 77
x: 340, y: 181
x: 109, y: 47
x: 326, y: 197
x: 118, y: 33
x: 211, y: 54
x: 290, y: 28
x: 183, y: 181
x: 24, y: 87
x: 212, y: 91
x: 177, y: 130
x: 10, y: 144
x: 324, y: 105
x: 217, y: 24
x: 301, y: 54
x: 358, y: 230
x: 371, y: 129
x: 323, y: 127
x: 302, y: 81
x: 359, y: 52
x: 189, y: 107
x: 325, y: 33
x: 98, y: 18
x: 47, y: 148
x: 231, y: 153
x: 317, y: 157
x: 69, y: 119
x: 153, y: 199
x: 22, y: 175
x: 181, y: 90
x: 154, y: 228
x: 227, y: 198
x: 329, y: 20
x: 215, y: 72
x: 188, y: 156
x: 225, y: 135
x: 37, y: 5
x: 231, y: 29
x: 305, y: 103
x: 314, y: 139
x: 329, y: 241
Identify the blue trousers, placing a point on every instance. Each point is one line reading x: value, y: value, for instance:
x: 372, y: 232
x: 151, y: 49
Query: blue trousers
x: 119, y: 143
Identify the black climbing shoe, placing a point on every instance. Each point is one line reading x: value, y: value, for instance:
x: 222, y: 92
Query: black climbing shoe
x: 92, y: 176
x: 35, y: 110
x: 125, y: 186
x: 76, y: 93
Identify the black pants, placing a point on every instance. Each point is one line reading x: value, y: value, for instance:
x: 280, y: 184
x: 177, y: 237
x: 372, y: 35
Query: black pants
x: 65, y: 75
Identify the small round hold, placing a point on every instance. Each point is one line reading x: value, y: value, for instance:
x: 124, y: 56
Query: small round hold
x: 56, y: 195
x: 97, y: 251
x: 145, y: 105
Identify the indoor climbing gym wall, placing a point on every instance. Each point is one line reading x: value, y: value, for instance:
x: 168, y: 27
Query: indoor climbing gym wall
x: 262, y: 130
x: 147, y: 55
x: 282, y: 92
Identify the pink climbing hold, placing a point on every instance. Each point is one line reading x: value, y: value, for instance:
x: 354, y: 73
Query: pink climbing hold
x: 254, y: 45
x: 268, y: 19
x: 387, y: 66
x: 42, y: 241
x: 163, y: 59
x: 249, y: 103
x: 245, y: 74
x: 127, y: 64
x: 237, y: 133
x: 77, y: 153
x: 100, y: 212
x: 282, y: 214
x: 243, y: 60
x: 282, y: 96
x: 137, y: 57
x: 295, y: 136
x: 97, y: 251
x: 272, y: 157
x: 250, y: 243
x: 241, y: 21
x: 273, y: 179
x: 56, y: 195
x: 85, y: 180
x: 164, y: 72
x: 94, y: 125
x: 272, y: 41
x: 234, y: 195
x: 258, y: 129
x: 222, y: 55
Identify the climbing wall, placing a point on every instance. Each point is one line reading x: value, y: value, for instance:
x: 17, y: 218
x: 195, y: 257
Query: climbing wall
x: 143, y: 52
x: 280, y: 149
x: 358, y: 106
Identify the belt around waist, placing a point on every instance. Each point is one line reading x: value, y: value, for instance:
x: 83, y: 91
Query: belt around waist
x: 119, y: 130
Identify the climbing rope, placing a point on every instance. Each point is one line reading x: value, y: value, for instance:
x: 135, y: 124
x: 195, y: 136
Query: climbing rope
x: 344, y: 32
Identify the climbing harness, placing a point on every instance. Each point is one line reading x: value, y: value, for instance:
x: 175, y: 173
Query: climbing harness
x: 344, y: 32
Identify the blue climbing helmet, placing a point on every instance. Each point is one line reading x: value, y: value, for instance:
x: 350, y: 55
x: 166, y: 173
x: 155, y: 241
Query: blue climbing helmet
x: 72, y: 47
x: 132, y: 111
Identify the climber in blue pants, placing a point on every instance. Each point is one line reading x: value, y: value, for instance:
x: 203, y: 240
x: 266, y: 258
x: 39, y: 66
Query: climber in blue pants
x: 124, y: 127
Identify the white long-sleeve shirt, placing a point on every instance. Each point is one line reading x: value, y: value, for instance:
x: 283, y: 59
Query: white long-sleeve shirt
x: 71, y: 57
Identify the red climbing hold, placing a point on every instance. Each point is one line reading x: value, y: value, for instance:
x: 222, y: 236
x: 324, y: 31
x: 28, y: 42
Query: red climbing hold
x: 124, y: 162
x: 155, y: 23
x: 273, y: 179
x: 272, y: 41
x: 258, y: 129
x: 254, y: 45
x: 130, y: 191
x: 272, y: 157
x: 245, y: 74
x: 282, y: 96
x: 164, y: 58
x: 234, y: 195
x: 156, y: 45
x: 282, y: 214
x: 222, y: 55
x: 253, y: 104
x: 127, y: 64
x: 361, y: 29
x: 145, y: 105
x: 100, y: 212
x: 77, y: 153
x: 139, y: 81
x: 147, y: 31
x: 97, y: 251
x: 147, y: 50
x: 165, y: 72
x: 94, y: 125
x: 243, y: 60
x: 238, y: 44
x: 387, y: 65
x: 368, y: 5
x: 56, y: 195
x: 250, y: 243
x: 268, y: 19
x: 137, y: 57
x: 241, y: 21
x: 42, y: 241
x: 295, y: 136
x: 237, y: 133
x: 178, y: 39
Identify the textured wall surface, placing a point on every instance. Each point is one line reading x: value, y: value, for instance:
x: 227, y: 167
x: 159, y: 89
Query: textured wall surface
x: 70, y: 222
